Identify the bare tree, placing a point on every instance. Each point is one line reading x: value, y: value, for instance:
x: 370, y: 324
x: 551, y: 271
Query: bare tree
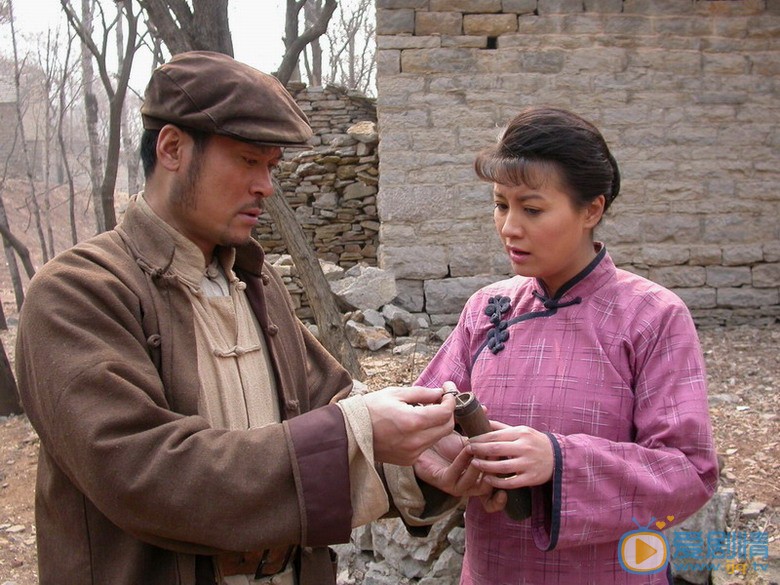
x: 63, y: 108
x: 29, y: 163
x: 48, y: 61
x: 91, y: 109
x: 115, y: 92
x: 9, y: 395
x: 9, y: 243
x: 311, y: 12
x: 351, y: 47
x: 294, y: 41
x: 202, y: 27
x: 175, y: 26
x: 129, y: 146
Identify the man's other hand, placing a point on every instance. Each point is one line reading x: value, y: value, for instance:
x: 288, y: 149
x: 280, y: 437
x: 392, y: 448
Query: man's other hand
x: 407, y: 421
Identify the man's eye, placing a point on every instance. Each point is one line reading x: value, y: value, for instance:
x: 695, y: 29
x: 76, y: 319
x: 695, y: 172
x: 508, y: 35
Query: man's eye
x: 500, y: 206
x: 250, y: 161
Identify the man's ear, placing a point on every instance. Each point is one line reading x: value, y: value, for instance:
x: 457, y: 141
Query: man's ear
x: 595, y: 211
x: 171, y: 143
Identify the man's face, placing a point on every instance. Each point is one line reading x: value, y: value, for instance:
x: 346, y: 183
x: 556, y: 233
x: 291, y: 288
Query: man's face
x: 217, y: 197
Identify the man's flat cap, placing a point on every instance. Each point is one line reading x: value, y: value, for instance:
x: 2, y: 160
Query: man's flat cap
x: 214, y: 93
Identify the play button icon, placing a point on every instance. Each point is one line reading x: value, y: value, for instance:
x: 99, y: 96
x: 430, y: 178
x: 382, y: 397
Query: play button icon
x: 643, y: 551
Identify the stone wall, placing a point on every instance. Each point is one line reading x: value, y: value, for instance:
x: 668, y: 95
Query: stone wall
x: 332, y: 186
x: 685, y: 91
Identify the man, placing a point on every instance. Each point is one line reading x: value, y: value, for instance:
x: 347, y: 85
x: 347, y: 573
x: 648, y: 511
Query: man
x: 189, y: 425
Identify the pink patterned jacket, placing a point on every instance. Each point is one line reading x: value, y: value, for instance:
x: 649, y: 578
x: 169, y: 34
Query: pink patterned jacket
x: 612, y: 371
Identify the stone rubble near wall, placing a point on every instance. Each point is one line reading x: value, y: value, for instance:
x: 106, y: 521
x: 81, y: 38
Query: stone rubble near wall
x: 361, y: 292
x: 684, y: 92
x: 332, y: 186
x: 384, y: 553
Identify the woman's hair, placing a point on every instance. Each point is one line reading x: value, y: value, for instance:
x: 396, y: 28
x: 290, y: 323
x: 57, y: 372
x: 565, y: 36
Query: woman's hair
x: 149, y: 147
x: 544, y: 141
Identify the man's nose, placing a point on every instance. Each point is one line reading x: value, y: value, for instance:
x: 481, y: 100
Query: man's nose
x: 263, y: 184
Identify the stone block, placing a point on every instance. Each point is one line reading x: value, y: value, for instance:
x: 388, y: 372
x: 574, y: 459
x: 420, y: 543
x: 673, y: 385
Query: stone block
x: 414, y: 262
x: 723, y: 276
x: 464, y: 42
x: 558, y: 6
x: 772, y: 251
x: 610, y: 6
x: 736, y: 255
x: 711, y: 518
x: 410, y: 295
x: 491, y: 25
x: 394, y: 22
x: 388, y: 63
x: 365, y: 287
x: 438, y: 61
x: 657, y: 7
x: 601, y: 59
x: 697, y: 298
x: 438, y: 23
x: 450, y: 295
x: 519, y: 6
x: 665, y: 255
x: 396, y: 4
x: 407, y: 42
x: 679, y: 276
x: 444, y: 319
x: 766, y: 275
x: 465, y: 6
x: 704, y: 255
x: 478, y: 257
x: 747, y: 297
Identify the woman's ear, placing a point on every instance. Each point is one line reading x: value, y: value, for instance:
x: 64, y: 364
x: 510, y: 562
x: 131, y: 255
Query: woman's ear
x: 595, y: 211
x: 170, y: 145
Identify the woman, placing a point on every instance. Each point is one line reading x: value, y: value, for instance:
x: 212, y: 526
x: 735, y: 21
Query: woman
x: 592, y: 376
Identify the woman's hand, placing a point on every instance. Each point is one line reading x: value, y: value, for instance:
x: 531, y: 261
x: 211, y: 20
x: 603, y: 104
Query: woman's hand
x: 446, y: 466
x: 511, y: 457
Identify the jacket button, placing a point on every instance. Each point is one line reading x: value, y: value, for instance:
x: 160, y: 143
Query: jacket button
x: 273, y: 330
x: 265, y: 278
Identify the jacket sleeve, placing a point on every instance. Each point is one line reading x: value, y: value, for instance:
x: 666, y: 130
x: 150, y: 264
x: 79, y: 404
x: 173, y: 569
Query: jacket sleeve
x: 601, y: 488
x: 94, y: 396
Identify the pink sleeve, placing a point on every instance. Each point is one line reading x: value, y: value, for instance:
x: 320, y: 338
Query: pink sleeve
x: 670, y: 469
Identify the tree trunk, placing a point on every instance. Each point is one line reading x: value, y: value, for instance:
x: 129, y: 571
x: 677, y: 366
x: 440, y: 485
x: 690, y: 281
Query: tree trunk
x: 129, y: 150
x: 321, y: 298
x: 29, y: 164
x: 18, y: 246
x: 9, y: 395
x: 13, y: 267
x: 74, y: 236
x: 91, y: 111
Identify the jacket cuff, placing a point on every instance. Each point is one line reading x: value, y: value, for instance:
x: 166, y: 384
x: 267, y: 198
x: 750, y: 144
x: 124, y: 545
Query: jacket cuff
x: 319, y: 454
x: 546, y: 503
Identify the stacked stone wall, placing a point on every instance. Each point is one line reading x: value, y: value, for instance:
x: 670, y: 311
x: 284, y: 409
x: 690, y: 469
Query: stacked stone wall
x: 332, y: 186
x: 685, y: 91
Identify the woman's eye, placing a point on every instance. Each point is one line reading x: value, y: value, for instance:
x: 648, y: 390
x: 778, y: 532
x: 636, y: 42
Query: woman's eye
x: 532, y: 211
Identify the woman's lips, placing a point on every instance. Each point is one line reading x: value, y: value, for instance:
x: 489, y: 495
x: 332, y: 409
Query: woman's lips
x: 517, y: 255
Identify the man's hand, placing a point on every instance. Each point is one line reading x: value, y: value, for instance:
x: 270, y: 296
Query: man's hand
x: 407, y: 421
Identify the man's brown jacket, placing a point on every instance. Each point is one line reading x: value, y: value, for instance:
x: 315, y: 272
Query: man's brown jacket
x: 133, y: 486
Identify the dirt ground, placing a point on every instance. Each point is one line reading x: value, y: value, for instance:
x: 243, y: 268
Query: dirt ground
x: 744, y: 384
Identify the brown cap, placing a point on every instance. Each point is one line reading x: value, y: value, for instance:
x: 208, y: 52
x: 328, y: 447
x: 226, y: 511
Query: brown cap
x: 213, y: 92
